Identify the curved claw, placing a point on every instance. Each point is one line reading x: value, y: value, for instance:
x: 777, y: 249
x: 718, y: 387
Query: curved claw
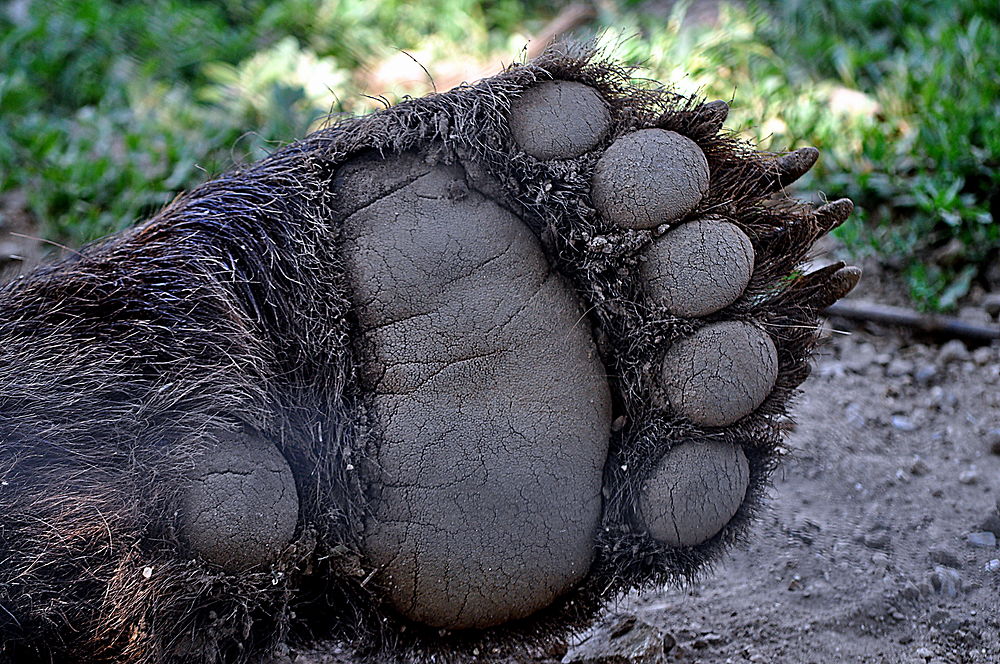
x: 826, y: 285
x: 790, y: 167
x: 714, y: 113
x: 833, y: 214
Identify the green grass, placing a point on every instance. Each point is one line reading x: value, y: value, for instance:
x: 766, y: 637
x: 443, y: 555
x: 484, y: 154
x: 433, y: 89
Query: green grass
x: 108, y: 109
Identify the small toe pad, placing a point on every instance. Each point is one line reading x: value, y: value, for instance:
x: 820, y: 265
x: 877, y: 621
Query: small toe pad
x: 241, y: 506
x: 649, y: 177
x: 721, y: 373
x: 559, y: 120
x: 698, y: 268
x: 694, y: 491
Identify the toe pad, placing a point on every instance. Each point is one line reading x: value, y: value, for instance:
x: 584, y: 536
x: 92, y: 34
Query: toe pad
x: 694, y: 491
x: 699, y: 268
x: 241, y: 506
x: 721, y: 373
x: 649, y: 177
x: 559, y: 120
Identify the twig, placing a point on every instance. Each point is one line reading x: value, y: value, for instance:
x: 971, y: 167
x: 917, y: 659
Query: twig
x: 930, y: 323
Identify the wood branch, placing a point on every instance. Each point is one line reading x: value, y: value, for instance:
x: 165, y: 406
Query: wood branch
x: 930, y: 323
x: 568, y: 19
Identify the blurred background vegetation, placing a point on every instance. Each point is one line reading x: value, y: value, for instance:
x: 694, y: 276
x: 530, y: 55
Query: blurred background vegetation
x: 108, y: 109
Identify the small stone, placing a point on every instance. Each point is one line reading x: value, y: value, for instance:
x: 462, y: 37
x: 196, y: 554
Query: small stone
x: 898, y: 368
x: 992, y: 566
x: 944, y: 557
x: 982, y: 539
x: 968, y: 476
x: 944, y: 581
x: 926, y: 653
x: 993, y: 440
x: 641, y: 643
x: 919, y: 467
x: 938, y: 617
x: 953, y: 351
x: 707, y: 640
x: 880, y: 560
x: 903, y: 424
x: 926, y: 374
x: 992, y: 524
x: 878, y: 540
x: 982, y: 356
x: 991, y: 304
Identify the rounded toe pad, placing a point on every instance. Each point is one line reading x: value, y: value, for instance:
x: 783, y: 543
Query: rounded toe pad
x: 649, y: 177
x: 698, y: 268
x: 241, y: 507
x: 694, y: 491
x: 721, y: 373
x: 559, y: 120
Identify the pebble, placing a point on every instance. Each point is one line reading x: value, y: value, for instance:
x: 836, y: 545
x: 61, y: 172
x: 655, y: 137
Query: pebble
x: 903, y: 424
x: 878, y: 540
x: 982, y: 539
x: 953, y: 351
x: 968, y: 476
x: 991, y: 303
x: 880, y: 560
x: 628, y: 640
x: 993, y: 440
x: 898, y: 368
x: 945, y: 581
x: 982, y: 356
x: 926, y: 653
x: 860, y: 358
x: 926, y: 374
x: 993, y: 566
x: 992, y: 524
x: 919, y: 467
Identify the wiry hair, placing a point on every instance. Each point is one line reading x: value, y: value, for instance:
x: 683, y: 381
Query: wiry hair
x: 122, y: 364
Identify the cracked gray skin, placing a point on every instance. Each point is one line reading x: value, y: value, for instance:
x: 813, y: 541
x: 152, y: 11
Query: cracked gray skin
x: 721, y: 373
x: 559, y: 119
x: 492, y: 407
x: 694, y: 491
x: 650, y: 177
x: 699, y: 267
x: 241, y: 506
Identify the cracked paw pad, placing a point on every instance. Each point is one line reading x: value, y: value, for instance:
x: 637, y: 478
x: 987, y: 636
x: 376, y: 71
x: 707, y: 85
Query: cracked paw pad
x: 694, y: 491
x: 241, y: 506
x: 698, y: 268
x: 559, y: 120
x: 649, y: 177
x: 721, y: 373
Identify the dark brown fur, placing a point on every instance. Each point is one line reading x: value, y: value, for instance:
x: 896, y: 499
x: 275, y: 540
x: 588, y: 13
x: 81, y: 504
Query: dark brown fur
x: 121, y: 364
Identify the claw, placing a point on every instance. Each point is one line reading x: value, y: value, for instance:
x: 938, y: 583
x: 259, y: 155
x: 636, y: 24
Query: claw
x: 840, y: 284
x: 826, y: 285
x: 790, y: 167
x: 833, y: 214
x: 714, y: 113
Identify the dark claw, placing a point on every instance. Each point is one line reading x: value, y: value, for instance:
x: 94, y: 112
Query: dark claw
x: 821, y: 288
x: 833, y: 214
x: 714, y: 113
x: 790, y: 167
